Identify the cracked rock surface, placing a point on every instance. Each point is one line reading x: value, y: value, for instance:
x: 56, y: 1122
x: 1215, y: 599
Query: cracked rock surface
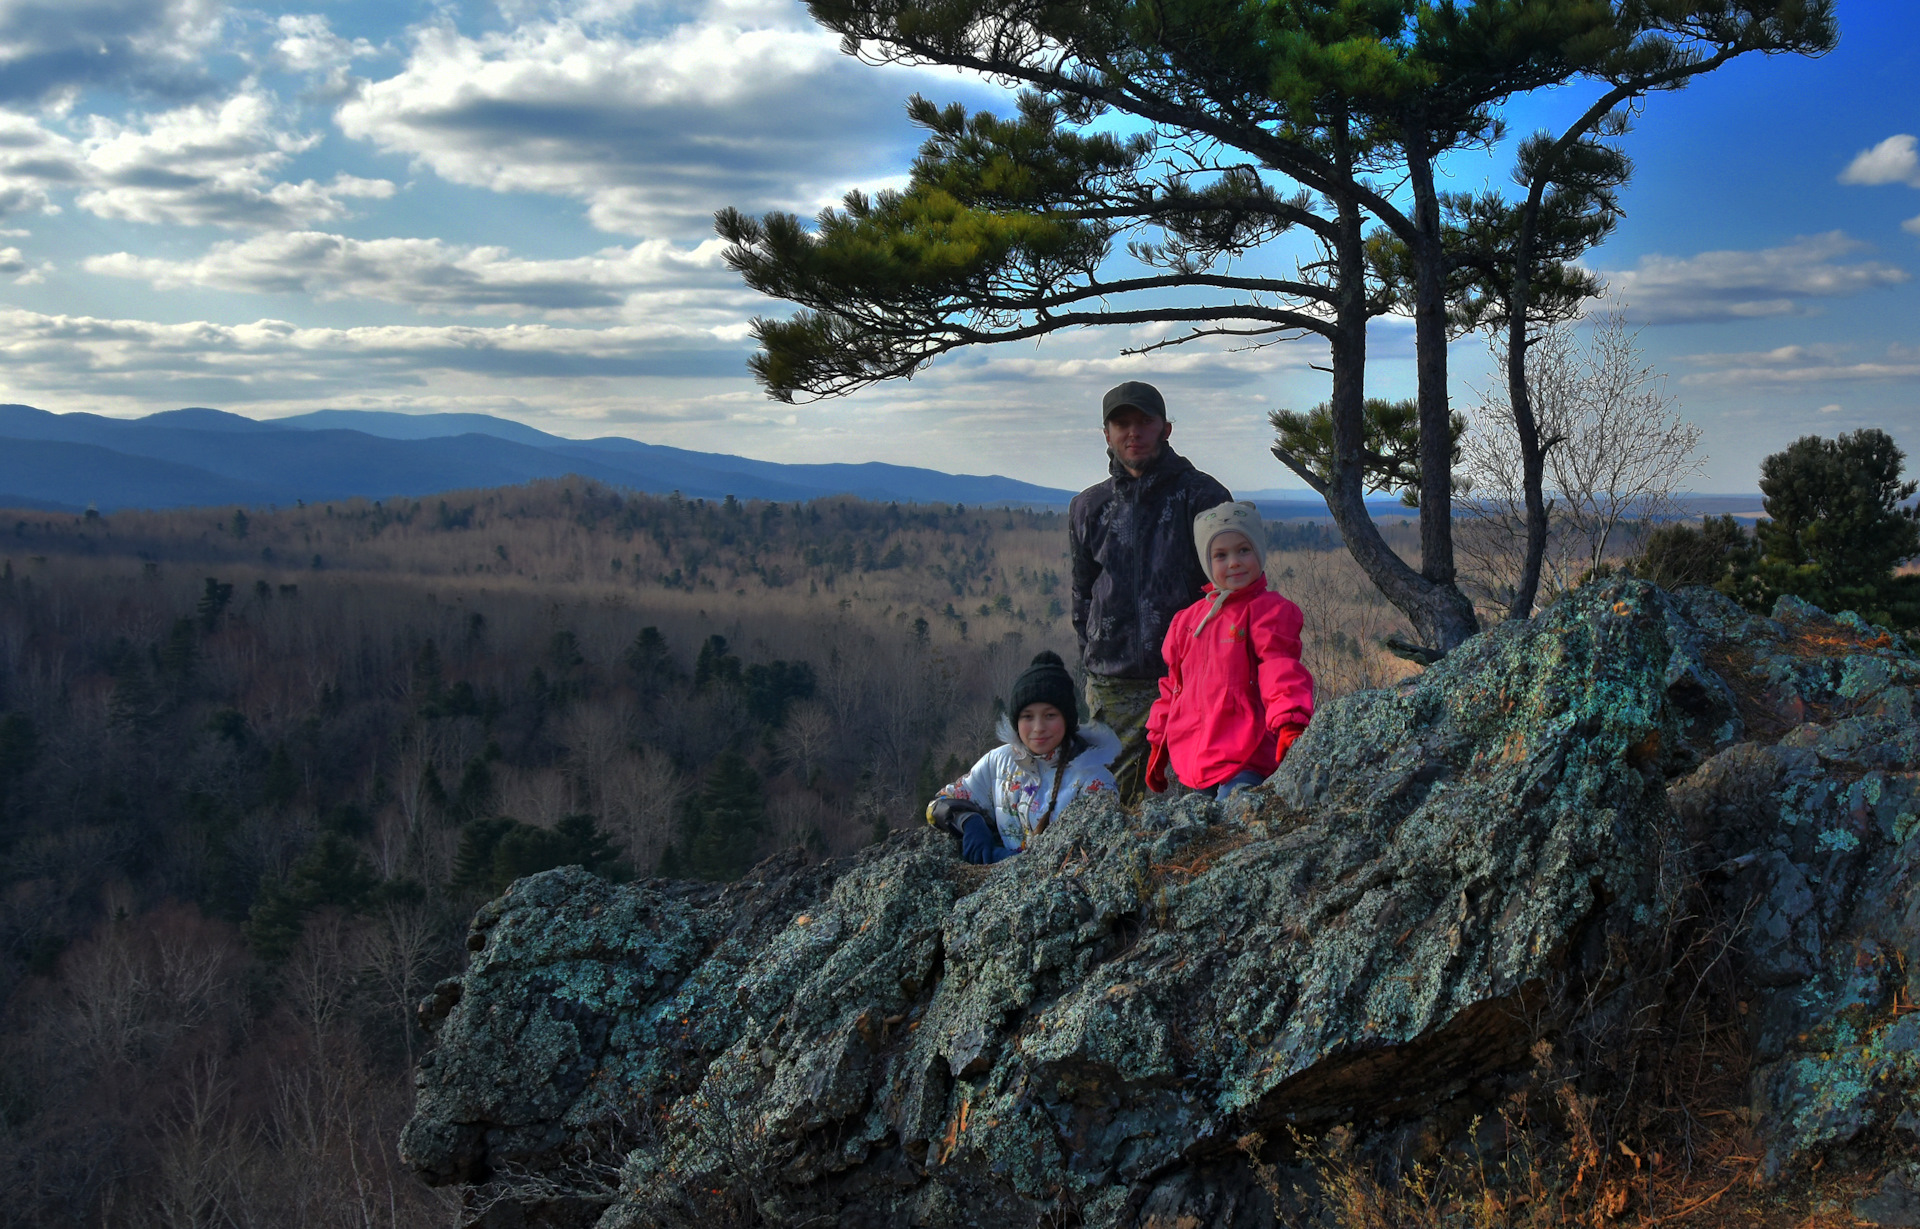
x: 1438, y: 876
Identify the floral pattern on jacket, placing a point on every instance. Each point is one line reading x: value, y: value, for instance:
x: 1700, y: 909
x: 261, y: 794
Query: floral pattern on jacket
x: 1015, y: 785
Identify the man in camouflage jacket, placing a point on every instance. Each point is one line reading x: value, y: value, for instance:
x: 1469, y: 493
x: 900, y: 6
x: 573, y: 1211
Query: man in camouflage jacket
x: 1134, y: 567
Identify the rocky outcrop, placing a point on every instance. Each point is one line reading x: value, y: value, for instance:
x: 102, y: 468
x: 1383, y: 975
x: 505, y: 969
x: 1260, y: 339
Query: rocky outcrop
x: 1806, y: 830
x: 1439, y: 877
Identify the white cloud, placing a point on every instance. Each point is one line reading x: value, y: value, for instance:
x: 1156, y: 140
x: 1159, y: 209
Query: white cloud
x: 1829, y: 409
x: 1911, y: 226
x: 33, y: 163
x: 274, y: 361
x: 1732, y: 285
x: 308, y: 45
x: 436, y: 276
x: 203, y: 164
x: 11, y: 261
x: 51, y: 48
x: 212, y: 165
x: 1802, y: 364
x: 742, y: 105
x: 1894, y: 160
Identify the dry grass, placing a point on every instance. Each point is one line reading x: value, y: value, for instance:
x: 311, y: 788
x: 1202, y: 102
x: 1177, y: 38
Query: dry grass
x: 1658, y: 1134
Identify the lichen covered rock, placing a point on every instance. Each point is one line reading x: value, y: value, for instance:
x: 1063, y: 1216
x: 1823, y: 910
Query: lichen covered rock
x: 1437, y: 874
x: 1807, y: 830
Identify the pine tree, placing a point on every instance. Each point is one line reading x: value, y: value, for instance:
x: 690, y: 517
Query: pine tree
x: 714, y: 666
x: 1190, y: 133
x: 213, y: 603
x: 724, y: 821
x: 333, y: 872
x: 473, y: 858
x: 475, y: 793
x: 1836, y: 531
x: 650, y: 662
x: 1675, y: 556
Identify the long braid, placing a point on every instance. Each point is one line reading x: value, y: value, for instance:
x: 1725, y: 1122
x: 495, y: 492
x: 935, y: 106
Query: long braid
x: 1072, y: 747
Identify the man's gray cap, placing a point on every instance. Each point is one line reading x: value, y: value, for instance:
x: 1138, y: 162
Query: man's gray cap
x: 1137, y: 395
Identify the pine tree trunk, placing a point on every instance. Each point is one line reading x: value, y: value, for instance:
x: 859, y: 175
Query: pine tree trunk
x: 1441, y: 615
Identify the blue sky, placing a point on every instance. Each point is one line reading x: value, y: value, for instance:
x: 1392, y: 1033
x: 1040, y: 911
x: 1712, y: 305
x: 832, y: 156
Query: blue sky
x: 505, y: 208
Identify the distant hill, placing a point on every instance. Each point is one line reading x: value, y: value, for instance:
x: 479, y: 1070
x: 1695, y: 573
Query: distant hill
x: 185, y: 457
x: 205, y: 456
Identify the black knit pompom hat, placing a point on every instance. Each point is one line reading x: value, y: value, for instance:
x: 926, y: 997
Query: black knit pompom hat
x: 1046, y: 681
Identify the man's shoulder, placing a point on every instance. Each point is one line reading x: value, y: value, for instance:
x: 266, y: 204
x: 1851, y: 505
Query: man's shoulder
x: 1203, y: 490
x: 1091, y: 498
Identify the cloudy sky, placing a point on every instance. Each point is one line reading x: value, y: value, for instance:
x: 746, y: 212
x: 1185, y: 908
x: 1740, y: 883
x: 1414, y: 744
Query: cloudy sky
x: 506, y: 208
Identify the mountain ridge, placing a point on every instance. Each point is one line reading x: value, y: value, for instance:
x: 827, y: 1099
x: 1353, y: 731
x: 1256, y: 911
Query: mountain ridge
x: 198, y: 455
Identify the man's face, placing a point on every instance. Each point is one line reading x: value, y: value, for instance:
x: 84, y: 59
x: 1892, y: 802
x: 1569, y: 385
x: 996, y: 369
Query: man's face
x: 1135, y: 437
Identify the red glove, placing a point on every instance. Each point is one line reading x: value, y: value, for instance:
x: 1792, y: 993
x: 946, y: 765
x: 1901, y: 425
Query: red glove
x: 1284, y: 739
x: 1157, y: 767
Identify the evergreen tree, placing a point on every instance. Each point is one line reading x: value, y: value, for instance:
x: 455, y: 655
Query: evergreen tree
x: 713, y: 665
x: 275, y: 922
x: 723, y: 822
x: 771, y: 688
x: 1390, y: 443
x: 496, y: 851
x: 213, y: 603
x: 650, y: 662
x: 1836, y: 531
x: 473, y: 857
x: 427, y: 678
x: 1190, y: 133
x: 475, y: 794
x: 1675, y: 556
x: 332, y: 873
x: 433, y: 792
x: 568, y: 665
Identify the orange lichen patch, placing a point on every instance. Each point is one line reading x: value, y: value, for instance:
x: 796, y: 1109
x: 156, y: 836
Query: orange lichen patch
x: 1815, y: 640
x: 1199, y: 858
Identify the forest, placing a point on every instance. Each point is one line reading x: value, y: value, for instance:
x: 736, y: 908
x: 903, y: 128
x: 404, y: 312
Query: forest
x: 258, y: 767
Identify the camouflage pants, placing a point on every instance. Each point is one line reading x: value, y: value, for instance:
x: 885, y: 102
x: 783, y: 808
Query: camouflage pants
x: 1121, y: 705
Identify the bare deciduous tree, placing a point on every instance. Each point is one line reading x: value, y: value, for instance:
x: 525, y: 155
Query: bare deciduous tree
x: 1617, y: 452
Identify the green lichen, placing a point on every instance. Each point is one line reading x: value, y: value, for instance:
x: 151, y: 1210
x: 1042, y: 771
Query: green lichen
x: 1435, y: 873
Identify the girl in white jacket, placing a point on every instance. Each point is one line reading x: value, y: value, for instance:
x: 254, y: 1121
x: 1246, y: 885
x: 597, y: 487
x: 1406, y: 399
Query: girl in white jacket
x: 1046, y: 761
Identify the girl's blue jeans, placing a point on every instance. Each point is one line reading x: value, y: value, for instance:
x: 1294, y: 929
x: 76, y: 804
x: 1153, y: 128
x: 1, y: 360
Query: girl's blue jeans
x: 1238, y: 781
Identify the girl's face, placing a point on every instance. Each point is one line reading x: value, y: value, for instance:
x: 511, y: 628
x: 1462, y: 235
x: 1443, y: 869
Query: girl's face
x: 1231, y: 561
x: 1041, y: 727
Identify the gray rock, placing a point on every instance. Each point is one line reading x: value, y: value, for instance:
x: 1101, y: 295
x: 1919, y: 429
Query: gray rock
x: 1435, y: 875
x: 1438, y: 877
x: 1896, y: 1205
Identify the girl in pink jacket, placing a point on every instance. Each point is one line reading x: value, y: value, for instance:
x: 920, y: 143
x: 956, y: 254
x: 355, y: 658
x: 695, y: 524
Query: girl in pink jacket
x: 1235, y: 695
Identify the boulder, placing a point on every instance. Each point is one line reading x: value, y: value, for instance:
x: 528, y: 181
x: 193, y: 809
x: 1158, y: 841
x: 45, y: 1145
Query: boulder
x: 1807, y: 833
x: 1106, y: 1028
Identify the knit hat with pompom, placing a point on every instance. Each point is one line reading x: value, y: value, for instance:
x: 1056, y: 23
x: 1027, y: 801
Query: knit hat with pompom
x: 1046, y: 681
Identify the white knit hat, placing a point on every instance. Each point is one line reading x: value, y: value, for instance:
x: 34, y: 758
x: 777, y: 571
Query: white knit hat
x: 1240, y: 518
